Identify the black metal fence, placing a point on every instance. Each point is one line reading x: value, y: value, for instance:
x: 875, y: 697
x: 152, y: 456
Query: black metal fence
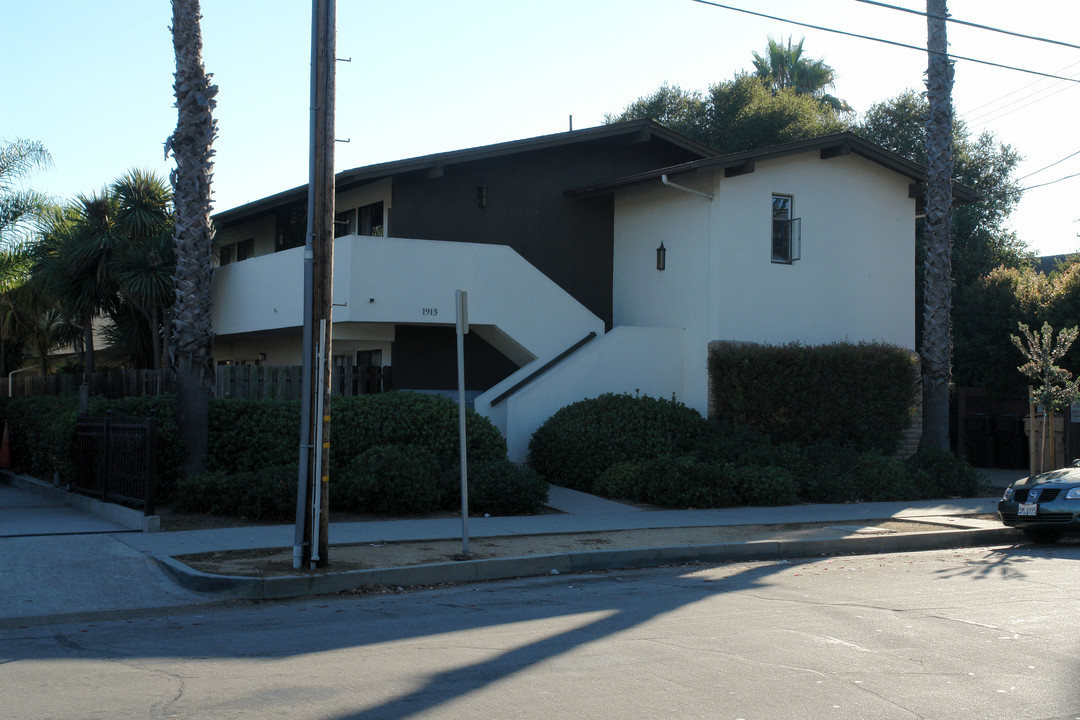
x: 116, y: 459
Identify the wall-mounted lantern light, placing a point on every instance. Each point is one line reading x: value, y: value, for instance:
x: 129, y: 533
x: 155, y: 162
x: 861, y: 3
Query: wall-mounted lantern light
x: 481, y: 195
x: 661, y: 256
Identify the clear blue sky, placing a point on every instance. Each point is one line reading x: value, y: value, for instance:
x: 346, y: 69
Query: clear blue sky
x: 92, y: 80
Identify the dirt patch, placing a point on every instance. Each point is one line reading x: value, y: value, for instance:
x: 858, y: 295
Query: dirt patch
x: 278, y: 562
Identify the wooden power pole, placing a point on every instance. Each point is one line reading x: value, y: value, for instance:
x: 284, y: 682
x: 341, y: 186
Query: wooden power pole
x: 313, y: 494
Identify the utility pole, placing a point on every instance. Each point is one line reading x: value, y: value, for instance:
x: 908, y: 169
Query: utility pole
x: 311, y: 546
x: 937, y: 311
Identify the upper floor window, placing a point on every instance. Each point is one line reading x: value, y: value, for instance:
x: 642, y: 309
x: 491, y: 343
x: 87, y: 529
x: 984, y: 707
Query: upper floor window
x: 237, y: 251
x: 786, y: 231
x: 366, y: 220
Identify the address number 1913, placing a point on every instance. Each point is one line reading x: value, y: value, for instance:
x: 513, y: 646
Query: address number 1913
x: 431, y: 312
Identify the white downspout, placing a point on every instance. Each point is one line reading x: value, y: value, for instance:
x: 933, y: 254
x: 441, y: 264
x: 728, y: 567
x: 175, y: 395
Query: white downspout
x: 664, y: 179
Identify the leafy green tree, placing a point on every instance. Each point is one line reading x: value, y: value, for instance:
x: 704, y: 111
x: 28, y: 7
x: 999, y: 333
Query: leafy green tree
x: 1055, y: 388
x: 680, y: 110
x: 19, y: 207
x: 108, y: 253
x: 784, y: 67
x: 980, y: 240
x: 737, y: 114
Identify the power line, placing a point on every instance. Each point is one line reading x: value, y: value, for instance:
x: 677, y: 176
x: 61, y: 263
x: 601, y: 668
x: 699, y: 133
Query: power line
x: 988, y: 103
x: 970, y: 24
x: 884, y: 41
x: 1050, y: 165
x: 1052, y: 182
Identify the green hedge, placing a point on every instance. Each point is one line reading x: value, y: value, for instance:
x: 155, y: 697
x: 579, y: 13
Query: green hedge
x: 264, y: 495
x: 251, y: 434
x: 576, y: 444
x: 846, y: 394
x: 408, y: 418
x: 247, y: 436
x: 714, y: 464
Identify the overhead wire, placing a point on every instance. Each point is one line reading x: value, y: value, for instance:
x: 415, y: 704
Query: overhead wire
x: 883, y: 40
x: 1050, y: 165
x: 953, y: 20
x: 1052, y: 182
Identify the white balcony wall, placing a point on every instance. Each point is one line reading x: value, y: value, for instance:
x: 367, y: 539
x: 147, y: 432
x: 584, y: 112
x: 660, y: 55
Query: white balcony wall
x: 642, y: 360
x: 406, y: 281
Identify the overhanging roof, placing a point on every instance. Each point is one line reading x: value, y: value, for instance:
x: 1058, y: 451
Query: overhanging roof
x: 828, y: 146
x: 632, y: 131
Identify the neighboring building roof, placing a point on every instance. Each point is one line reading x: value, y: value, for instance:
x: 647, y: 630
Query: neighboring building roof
x: 829, y: 146
x: 636, y: 130
x: 1047, y: 264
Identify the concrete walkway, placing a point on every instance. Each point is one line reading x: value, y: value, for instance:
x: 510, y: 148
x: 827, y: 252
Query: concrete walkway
x: 61, y: 560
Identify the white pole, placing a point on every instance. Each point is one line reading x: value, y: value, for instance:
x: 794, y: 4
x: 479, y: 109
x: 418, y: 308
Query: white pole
x: 462, y: 306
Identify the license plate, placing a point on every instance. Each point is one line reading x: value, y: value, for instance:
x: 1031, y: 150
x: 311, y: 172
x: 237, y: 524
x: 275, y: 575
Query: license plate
x: 1027, y: 509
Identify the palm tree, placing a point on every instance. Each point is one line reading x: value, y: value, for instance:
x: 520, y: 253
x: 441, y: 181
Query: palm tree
x: 936, y: 348
x: 144, y: 266
x: 18, y: 159
x: 783, y: 67
x: 191, y: 145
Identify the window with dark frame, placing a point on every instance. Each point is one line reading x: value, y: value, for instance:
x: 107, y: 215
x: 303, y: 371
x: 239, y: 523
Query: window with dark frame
x: 786, y: 231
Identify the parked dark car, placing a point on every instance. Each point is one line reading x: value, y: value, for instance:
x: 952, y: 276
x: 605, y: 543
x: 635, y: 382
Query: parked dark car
x: 1044, y: 506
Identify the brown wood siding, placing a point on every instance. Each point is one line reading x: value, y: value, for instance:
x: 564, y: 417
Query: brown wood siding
x: 570, y: 241
x: 425, y: 358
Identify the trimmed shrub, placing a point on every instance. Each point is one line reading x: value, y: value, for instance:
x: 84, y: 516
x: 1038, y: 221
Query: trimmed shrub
x: 392, y: 480
x: 497, y: 487
x: 842, y: 393
x: 402, y: 417
x: 170, y: 448
x: 580, y: 441
x: 665, y: 480
x: 758, y: 485
x: 945, y: 474
x: 41, y: 433
x: 248, y: 435
x: 265, y: 495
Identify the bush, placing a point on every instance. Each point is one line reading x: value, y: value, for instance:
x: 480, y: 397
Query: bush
x: 170, y: 448
x: 758, y: 485
x: 248, y: 435
x: 408, y: 418
x: 842, y: 393
x: 580, y: 441
x: 41, y: 433
x: 392, y: 480
x: 665, y: 480
x: 945, y: 473
x: 497, y: 487
x: 266, y: 495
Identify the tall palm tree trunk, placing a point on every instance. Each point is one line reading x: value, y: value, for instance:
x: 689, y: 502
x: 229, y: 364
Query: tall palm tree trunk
x: 937, y: 310
x: 191, y: 145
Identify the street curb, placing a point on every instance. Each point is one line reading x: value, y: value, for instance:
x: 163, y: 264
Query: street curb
x: 231, y: 586
x: 127, y: 517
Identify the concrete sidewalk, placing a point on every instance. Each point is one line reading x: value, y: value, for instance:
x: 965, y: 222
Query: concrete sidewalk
x: 75, y: 562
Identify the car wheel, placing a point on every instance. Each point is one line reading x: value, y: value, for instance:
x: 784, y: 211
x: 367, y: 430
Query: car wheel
x: 1041, y: 536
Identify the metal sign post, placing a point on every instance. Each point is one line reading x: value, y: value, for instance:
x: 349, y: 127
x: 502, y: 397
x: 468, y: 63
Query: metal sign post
x: 462, y: 308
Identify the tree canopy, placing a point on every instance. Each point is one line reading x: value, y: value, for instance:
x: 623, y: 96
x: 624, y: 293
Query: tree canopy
x: 784, y: 67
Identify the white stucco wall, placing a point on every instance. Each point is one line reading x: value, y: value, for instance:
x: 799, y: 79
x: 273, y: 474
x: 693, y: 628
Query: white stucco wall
x: 855, y: 280
x: 627, y: 359
x: 384, y: 281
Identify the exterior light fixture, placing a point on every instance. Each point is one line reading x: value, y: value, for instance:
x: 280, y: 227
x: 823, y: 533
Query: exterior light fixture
x: 661, y: 256
x: 481, y: 196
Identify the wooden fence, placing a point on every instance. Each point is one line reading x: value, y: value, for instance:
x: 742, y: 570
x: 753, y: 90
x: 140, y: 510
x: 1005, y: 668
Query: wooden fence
x: 236, y: 381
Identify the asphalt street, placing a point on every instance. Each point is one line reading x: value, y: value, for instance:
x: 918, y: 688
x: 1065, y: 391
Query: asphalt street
x: 967, y: 633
